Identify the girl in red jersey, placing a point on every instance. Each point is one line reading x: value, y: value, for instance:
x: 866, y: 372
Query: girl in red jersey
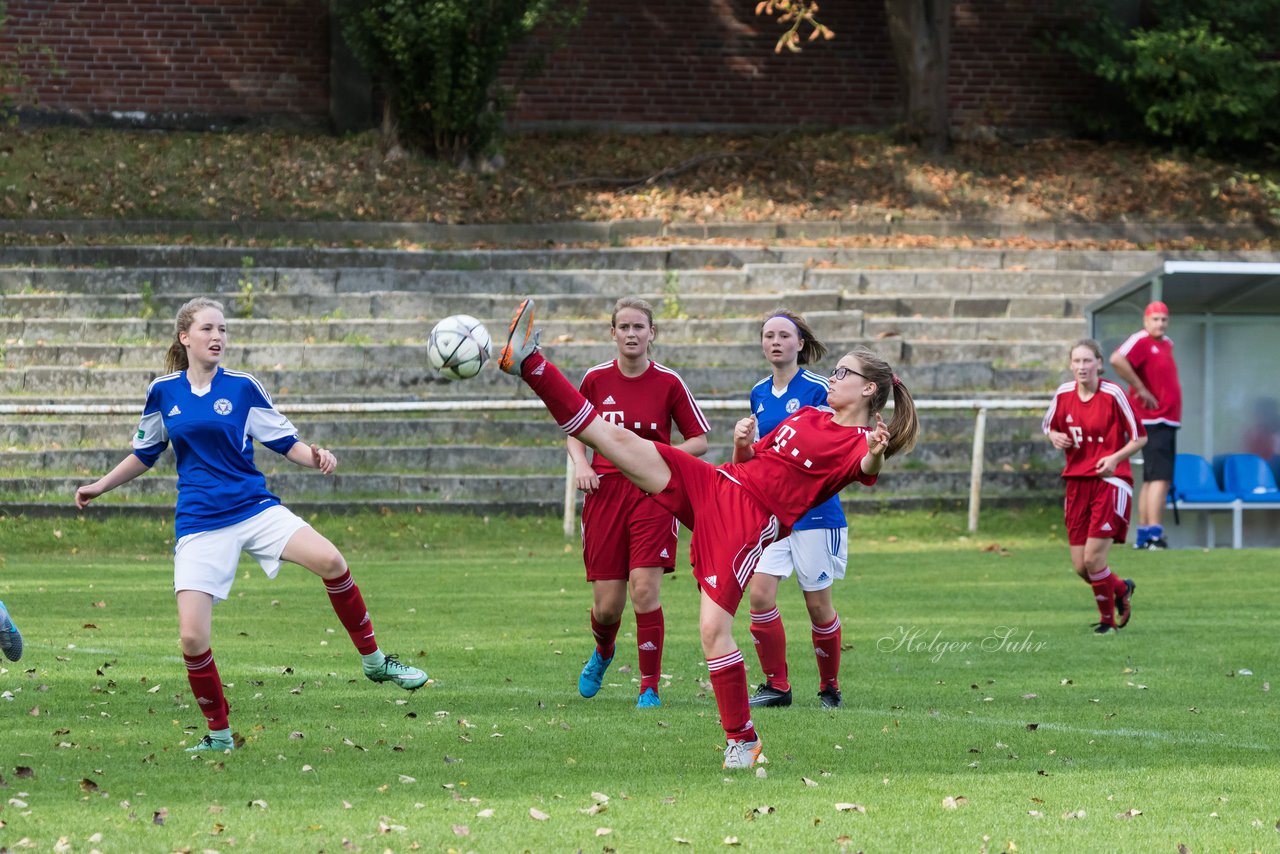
x: 1091, y: 421
x: 628, y: 539
x: 737, y: 509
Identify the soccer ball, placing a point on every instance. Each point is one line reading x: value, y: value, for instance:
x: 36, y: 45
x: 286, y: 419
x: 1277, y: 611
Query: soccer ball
x: 458, y: 347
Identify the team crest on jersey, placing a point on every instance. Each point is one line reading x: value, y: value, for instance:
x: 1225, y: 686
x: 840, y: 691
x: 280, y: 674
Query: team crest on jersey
x: 222, y: 406
x: 792, y: 405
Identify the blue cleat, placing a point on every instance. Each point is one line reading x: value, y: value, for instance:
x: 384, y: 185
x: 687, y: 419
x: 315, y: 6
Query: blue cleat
x: 593, y: 674
x: 649, y: 699
x: 10, y: 637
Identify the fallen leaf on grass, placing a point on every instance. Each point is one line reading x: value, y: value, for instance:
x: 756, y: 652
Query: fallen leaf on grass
x: 259, y: 803
x: 810, y: 783
x: 87, y: 785
x: 538, y: 815
x: 487, y: 813
x: 461, y: 830
x: 159, y: 816
x: 951, y: 803
x: 851, y: 808
x: 1130, y: 813
x: 731, y: 840
x: 1074, y: 814
x: 603, y: 831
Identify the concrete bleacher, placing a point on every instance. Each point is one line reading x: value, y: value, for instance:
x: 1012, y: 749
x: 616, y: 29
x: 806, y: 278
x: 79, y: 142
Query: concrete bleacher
x: 86, y: 325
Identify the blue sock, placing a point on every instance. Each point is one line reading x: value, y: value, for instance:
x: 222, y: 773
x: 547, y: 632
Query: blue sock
x: 1144, y: 534
x: 1156, y: 532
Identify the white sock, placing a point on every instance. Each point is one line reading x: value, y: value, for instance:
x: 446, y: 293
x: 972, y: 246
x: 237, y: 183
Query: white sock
x: 220, y: 734
x: 373, y: 660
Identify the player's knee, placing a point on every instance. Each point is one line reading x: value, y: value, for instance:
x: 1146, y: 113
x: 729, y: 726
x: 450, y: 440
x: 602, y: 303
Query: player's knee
x: 329, y: 563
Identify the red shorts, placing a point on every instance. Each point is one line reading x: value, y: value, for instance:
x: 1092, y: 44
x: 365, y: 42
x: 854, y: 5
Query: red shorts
x: 1097, y: 508
x: 622, y: 528
x: 730, y: 529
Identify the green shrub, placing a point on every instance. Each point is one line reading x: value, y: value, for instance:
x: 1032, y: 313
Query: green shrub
x: 1203, y: 74
x: 437, y: 62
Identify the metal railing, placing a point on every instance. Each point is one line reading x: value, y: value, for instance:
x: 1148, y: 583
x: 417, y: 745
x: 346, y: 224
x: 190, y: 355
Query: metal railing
x: 979, y: 406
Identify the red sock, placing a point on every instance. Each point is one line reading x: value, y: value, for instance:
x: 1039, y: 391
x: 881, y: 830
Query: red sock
x: 1104, y: 594
x: 605, y: 636
x: 729, y: 682
x: 1118, y: 587
x: 206, y: 685
x: 348, y: 604
x: 770, y: 638
x: 826, y: 647
x: 567, y: 406
x: 650, y: 629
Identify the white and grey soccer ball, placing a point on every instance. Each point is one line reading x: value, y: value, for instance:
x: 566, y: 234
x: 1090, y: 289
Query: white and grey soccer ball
x: 458, y: 347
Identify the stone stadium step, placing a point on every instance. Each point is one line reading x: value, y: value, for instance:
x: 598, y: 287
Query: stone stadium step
x: 488, y: 428
x: 976, y: 372
x: 545, y: 489
x: 689, y: 256
x: 164, y: 285
x: 475, y: 458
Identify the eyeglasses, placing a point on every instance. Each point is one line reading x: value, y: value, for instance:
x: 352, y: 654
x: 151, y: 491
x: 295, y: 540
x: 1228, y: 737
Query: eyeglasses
x: 841, y: 372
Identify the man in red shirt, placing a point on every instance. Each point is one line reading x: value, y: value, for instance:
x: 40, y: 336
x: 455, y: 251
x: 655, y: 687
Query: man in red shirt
x: 1145, y: 361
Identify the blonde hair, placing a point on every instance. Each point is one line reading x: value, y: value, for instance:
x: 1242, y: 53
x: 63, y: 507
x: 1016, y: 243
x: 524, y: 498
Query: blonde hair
x: 176, y: 358
x: 812, y: 350
x: 1090, y: 344
x: 904, y: 429
x: 639, y: 304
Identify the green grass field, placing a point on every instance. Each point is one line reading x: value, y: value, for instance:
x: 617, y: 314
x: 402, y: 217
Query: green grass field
x: 980, y: 712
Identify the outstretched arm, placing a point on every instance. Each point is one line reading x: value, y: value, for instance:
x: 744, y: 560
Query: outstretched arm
x: 312, y: 457
x: 125, y: 471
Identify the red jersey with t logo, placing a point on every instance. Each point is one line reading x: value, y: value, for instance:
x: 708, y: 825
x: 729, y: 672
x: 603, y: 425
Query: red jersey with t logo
x: 1098, y: 427
x: 803, y: 461
x: 1152, y: 358
x: 646, y: 405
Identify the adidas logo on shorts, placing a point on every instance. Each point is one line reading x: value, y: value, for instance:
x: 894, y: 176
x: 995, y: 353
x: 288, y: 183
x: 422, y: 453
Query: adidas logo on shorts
x: 711, y: 581
x: 822, y: 576
x: 664, y: 554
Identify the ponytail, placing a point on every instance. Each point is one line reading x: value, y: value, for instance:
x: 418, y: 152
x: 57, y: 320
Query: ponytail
x: 904, y: 428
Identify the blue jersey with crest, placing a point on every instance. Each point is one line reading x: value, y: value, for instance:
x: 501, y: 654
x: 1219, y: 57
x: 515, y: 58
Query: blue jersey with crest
x: 770, y: 409
x: 212, y: 432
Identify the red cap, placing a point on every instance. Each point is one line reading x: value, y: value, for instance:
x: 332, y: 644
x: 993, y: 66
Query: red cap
x: 1156, y: 308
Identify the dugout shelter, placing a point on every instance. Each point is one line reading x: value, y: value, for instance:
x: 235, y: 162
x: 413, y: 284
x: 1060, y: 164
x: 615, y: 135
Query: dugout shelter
x: 1224, y: 321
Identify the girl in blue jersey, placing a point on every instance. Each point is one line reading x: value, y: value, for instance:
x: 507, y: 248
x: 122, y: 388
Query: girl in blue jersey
x: 818, y: 546
x: 211, y: 416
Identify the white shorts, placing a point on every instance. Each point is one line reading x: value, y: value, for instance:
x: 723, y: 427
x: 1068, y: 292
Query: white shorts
x: 818, y: 556
x: 207, y: 560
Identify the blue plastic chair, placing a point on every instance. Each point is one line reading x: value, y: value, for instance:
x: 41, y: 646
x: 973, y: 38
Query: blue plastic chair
x: 1249, y: 477
x: 1194, y: 483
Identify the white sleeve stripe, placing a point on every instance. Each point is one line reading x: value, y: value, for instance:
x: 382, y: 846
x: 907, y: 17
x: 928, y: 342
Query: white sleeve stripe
x: 1125, y: 409
x: 251, y: 378
x: 1130, y: 342
x: 762, y: 382
x: 697, y: 410
x: 816, y: 379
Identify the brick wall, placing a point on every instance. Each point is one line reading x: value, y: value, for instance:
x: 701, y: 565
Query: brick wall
x: 655, y: 62
x: 243, y: 58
